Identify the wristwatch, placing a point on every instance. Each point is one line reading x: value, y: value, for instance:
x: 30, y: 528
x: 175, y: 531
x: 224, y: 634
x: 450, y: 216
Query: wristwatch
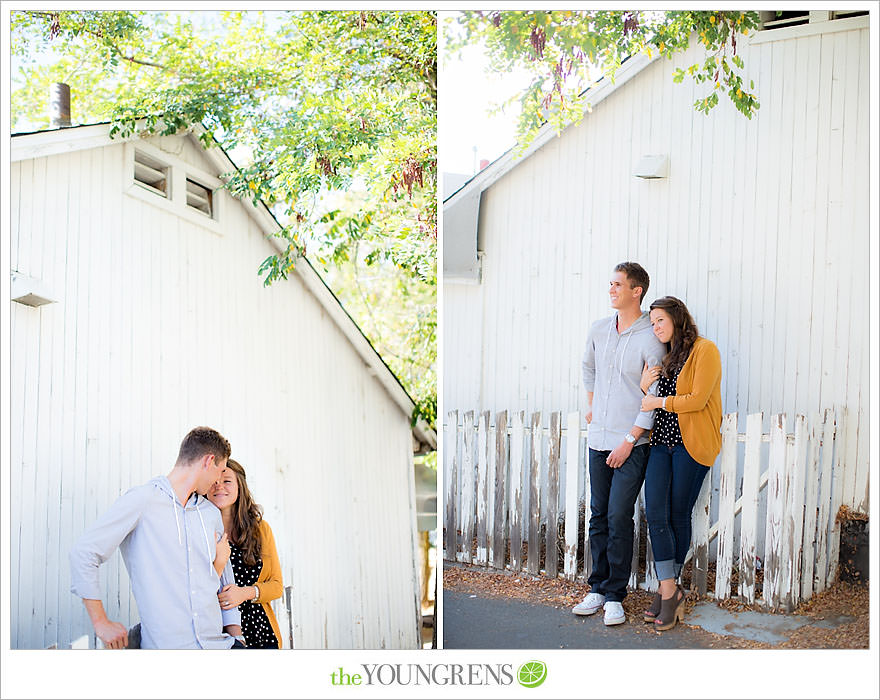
x: 630, y: 438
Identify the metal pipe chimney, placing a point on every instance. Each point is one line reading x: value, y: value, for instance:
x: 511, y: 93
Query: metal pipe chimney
x: 59, y: 104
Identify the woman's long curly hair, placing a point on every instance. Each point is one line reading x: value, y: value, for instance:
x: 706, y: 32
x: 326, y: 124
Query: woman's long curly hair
x: 684, y: 334
x: 246, y: 517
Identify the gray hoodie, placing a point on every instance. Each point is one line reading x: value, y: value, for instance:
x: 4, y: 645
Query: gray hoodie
x: 169, y: 551
x: 612, y: 366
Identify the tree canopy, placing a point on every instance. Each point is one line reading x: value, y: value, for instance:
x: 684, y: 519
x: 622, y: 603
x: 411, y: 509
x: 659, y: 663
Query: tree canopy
x: 559, y: 48
x: 323, y: 103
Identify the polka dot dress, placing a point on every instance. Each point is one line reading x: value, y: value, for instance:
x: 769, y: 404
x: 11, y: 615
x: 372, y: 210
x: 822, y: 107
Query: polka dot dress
x: 666, y: 430
x: 255, y: 625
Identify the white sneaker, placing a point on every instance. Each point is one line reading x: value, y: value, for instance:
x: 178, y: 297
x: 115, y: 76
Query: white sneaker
x: 590, y: 604
x: 614, y: 614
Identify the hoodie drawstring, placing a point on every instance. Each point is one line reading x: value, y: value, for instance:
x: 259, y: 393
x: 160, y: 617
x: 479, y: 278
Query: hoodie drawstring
x: 177, y: 521
x: 622, y: 355
x: 607, y: 340
x: 207, y: 541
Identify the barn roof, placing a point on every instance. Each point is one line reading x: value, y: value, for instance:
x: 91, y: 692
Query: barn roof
x: 47, y: 142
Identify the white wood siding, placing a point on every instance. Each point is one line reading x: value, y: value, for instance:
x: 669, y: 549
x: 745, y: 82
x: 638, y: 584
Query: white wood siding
x: 163, y: 325
x: 761, y: 228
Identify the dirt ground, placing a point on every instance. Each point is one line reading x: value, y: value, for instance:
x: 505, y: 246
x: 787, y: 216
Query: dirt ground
x: 840, y: 599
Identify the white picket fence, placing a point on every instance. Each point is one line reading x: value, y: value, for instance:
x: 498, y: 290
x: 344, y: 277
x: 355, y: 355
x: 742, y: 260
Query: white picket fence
x: 491, y: 468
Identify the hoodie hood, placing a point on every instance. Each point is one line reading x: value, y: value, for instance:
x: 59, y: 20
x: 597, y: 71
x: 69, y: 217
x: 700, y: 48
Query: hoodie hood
x: 643, y: 321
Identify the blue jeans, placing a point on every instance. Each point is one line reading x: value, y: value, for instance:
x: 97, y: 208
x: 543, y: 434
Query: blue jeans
x: 613, y: 493
x: 672, y: 486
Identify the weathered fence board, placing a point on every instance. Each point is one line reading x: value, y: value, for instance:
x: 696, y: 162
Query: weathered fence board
x: 836, y: 498
x: 534, y: 555
x: 491, y: 445
x: 775, y: 513
x: 467, y: 487
x: 700, y: 537
x: 482, y: 489
x: 726, y: 498
x: 451, y: 479
x: 588, y: 555
x: 517, y: 455
x: 822, y: 519
x: 572, y: 465
x: 487, y: 467
x: 749, y: 518
x: 651, y: 582
x: 794, y: 522
x: 551, y: 565
x: 499, y: 535
x: 810, y: 509
x: 634, y: 567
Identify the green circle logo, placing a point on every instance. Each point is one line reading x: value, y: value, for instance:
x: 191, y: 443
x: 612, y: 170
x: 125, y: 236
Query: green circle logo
x: 532, y: 673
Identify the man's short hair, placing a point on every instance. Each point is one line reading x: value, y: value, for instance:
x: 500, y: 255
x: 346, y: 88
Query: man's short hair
x: 636, y: 275
x: 203, y: 441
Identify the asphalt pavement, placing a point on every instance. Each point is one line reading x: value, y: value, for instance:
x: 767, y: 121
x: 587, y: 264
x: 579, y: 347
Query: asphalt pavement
x: 471, y: 622
x: 475, y: 622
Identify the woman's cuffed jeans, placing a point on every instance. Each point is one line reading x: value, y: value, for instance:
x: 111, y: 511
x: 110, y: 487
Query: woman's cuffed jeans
x: 613, y: 494
x: 672, y: 485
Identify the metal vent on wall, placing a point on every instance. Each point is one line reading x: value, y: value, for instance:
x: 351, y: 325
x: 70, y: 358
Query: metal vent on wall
x: 150, y: 174
x: 199, y: 197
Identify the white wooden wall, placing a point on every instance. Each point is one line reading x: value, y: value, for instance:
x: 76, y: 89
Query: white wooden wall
x: 163, y: 325
x: 761, y: 228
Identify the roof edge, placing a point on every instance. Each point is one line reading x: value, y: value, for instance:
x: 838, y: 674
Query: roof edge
x: 506, y: 162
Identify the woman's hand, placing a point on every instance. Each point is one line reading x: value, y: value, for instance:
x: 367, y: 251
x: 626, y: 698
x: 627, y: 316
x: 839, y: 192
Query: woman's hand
x: 649, y: 376
x: 222, y: 555
x: 232, y: 596
x: 650, y: 402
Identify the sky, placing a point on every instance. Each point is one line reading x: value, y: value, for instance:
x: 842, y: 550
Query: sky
x: 467, y: 129
x: 469, y: 92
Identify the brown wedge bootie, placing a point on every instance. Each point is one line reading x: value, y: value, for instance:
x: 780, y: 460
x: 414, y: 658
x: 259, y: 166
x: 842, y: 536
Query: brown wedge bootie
x: 671, y: 611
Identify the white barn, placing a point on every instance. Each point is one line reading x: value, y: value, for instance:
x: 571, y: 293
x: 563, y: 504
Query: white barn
x: 761, y: 226
x: 159, y: 323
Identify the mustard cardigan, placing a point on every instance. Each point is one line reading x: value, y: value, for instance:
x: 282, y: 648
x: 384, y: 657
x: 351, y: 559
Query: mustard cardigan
x: 697, y: 402
x: 269, y: 583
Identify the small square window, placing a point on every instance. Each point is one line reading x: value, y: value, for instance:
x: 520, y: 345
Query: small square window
x: 150, y: 174
x: 199, y: 197
x: 841, y: 14
x: 789, y: 18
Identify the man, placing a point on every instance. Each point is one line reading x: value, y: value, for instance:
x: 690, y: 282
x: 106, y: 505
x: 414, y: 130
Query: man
x: 617, y: 349
x: 167, y: 532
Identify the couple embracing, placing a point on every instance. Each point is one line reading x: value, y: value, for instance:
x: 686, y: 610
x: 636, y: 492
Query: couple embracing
x: 201, y: 560
x: 654, y: 392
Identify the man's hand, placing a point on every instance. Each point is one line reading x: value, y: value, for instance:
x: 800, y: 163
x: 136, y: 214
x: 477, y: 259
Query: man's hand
x: 619, y: 455
x: 231, y: 596
x: 113, y: 634
x: 589, y: 416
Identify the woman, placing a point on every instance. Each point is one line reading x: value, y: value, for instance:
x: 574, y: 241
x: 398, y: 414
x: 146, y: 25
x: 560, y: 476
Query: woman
x: 249, y: 545
x: 685, y: 441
